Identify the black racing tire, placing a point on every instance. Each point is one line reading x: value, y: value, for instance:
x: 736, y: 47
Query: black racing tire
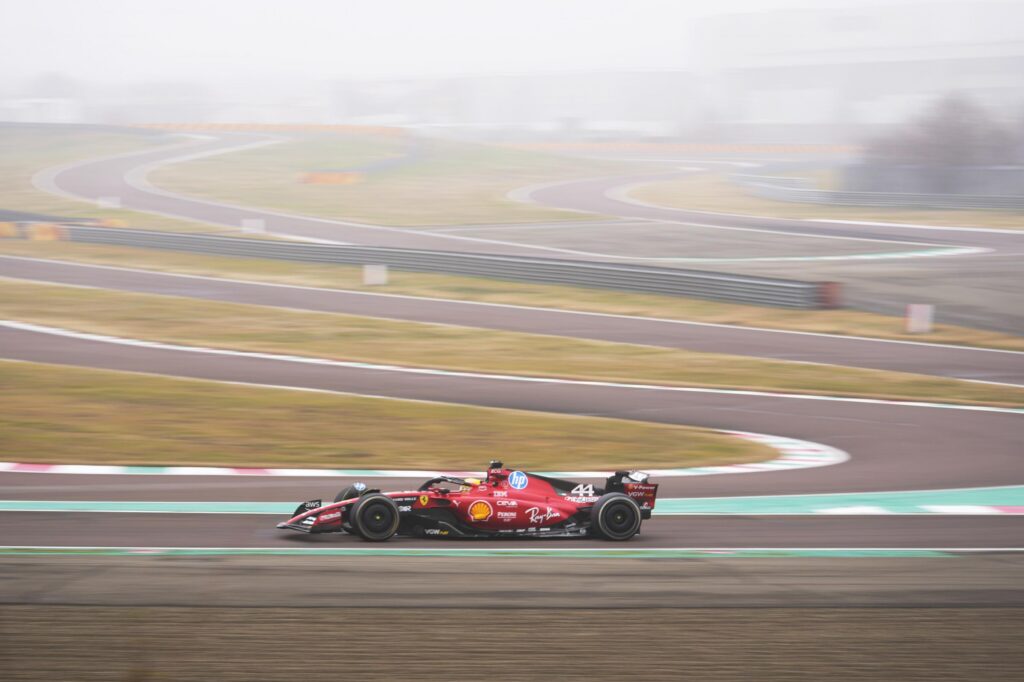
x: 349, y: 493
x: 375, y: 517
x: 615, y: 517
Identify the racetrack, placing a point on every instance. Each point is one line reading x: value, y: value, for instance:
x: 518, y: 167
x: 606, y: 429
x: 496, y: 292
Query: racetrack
x: 902, y: 356
x: 971, y: 275
x: 893, y: 446
x: 236, y: 531
x: 974, y: 289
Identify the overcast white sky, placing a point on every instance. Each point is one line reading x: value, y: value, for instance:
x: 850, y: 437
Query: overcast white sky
x: 130, y: 40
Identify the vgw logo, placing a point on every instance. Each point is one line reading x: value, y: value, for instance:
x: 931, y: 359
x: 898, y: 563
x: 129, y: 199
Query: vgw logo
x: 518, y: 480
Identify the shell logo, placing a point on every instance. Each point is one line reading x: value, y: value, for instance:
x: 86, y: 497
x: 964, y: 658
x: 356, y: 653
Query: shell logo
x: 480, y: 511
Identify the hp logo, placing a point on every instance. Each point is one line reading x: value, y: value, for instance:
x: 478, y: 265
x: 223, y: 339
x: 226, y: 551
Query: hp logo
x: 518, y: 480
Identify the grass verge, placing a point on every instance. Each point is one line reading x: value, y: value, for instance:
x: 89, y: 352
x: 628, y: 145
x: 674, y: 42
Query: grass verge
x: 82, y: 416
x: 714, y: 192
x: 28, y: 150
x: 441, y: 183
x: 841, y: 322
x: 347, y: 337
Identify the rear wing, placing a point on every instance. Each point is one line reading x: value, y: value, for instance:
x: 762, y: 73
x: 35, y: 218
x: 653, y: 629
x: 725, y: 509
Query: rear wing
x: 643, y: 494
x: 634, y: 484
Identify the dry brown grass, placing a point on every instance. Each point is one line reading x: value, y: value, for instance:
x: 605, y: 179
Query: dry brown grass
x: 713, y: 192
x: 347, y: 337
x: 28, y: 150
x: 842, y: 322
x: 446, y: 183
x: 59, y: 414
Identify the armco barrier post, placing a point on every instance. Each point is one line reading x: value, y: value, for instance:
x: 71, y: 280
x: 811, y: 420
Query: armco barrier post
x: 830, y: 295
x: 375, y: 275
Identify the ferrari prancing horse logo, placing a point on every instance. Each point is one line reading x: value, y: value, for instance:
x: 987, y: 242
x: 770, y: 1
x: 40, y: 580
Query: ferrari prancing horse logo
x: 424, y: 499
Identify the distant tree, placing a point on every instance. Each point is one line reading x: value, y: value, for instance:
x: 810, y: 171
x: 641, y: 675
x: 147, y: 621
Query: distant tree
x: 954, y: 131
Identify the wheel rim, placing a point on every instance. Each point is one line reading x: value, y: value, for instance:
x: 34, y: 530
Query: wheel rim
x: 619, y: 518
x: 377, y: 518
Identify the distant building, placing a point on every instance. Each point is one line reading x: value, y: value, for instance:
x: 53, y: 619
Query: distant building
x: 835, y: 75
x: 40, y: 110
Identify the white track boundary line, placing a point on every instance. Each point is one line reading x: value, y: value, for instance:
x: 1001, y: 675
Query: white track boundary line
x: 620, y: 193
x: 794, y: 453
x: 746, y: 514
x: 46, y: 181
x: 137, y: 178
x: 917, y: 226
x: 83, y: 336
x: 511, y: 306
x: 520, y: 550
x: 525, y: 194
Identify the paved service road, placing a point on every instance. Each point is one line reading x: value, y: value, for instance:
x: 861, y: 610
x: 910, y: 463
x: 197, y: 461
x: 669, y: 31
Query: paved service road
x: 922, y: 358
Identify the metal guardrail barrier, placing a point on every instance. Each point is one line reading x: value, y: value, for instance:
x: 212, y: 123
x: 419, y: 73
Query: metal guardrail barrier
x: 797, y: 190
x: 623, y: 277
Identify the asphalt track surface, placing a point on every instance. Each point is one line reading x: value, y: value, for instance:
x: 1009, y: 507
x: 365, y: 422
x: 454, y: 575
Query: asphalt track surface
x: 979, y: 290
x: 124, y: 176
x: 920, y: 358
x: 257, y: 530
x: 596, y: 196
x: 981, y: 579
x: 893, y: 446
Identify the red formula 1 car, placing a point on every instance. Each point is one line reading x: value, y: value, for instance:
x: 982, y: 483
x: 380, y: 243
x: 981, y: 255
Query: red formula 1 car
x: 507, y: 504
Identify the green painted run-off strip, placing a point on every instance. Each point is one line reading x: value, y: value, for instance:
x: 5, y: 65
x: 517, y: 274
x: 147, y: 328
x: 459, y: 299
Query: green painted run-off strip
x: 905, y: 502
x: 892, y: 502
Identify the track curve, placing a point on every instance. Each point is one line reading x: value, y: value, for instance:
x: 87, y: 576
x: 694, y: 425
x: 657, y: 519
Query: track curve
x: 599, y: 195
x: 124, y: 176
x: 893, y: 446
x: 921, y: 358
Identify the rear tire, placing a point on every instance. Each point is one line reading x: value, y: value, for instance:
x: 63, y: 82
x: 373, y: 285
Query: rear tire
x: 375, y: 517
x: 615, y: 517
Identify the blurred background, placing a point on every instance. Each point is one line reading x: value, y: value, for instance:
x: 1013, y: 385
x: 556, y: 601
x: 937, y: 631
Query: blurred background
x: 703, y: 238
x: 771, y: 71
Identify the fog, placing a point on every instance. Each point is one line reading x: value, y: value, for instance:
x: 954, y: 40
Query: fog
x: 736, y: 69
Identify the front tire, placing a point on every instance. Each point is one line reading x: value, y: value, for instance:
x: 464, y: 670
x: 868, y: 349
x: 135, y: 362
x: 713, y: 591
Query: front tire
x: 350, y: 492
x: 375, y: 517
x: 615, y: 517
